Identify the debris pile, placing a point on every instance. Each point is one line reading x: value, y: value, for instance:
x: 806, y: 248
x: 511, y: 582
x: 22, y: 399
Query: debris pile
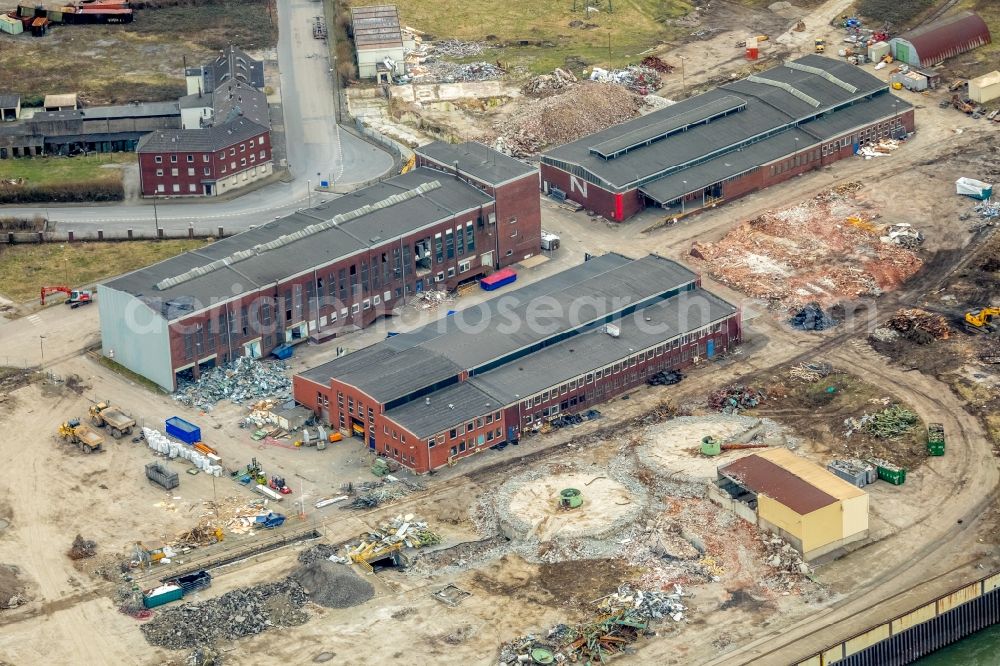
x: 731, y: 399
x: 401, y: 531
x: 243, y: 612
x: 575, y: 112
x: 428, y: 300
x: 622, y: 618
x: 919, y: 325
x: 82, y: 548
x: 988, y: 212
x: 171, y: 449
x: 812, y: 318
x: 245, y: 379
x: 819, y: 251
x: 810, y: 372
x: 378, y: 493
x: 637, y: 78
x: 880, y: 149
x: 442, y: 71
x: 456, y: 48
x: 780, y: 555
x: 332, y: 586
x: 889, y: 423
x: 902, y: 234
x: 656, y: 64
x: 547, y: 84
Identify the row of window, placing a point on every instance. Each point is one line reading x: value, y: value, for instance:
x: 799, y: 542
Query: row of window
x: 614, y: 368
x: 174, y: 172
x: 473, y: 442
x: 222, y: 153
x: 460, y: 430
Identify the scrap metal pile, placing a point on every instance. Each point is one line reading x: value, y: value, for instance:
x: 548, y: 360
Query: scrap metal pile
x: 377, y: 493
x: 241, y: 380
x: 581, y: 109
x: 880, y: 149
x: 889, y: 423
x: 82, y: 548
x: 640, y: 80
x: 812, y: 318
x: 654, y: 63
x: 731, y: 399
x: 622, y: 618
x: 401, y: 531
x: 821, y: 251
x: 444, y: 71
x: 919, y: 325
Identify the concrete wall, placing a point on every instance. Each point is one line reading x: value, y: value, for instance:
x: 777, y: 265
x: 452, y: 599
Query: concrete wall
x: 191, y: 118
x: 368, y: 58
x: 134, y: 336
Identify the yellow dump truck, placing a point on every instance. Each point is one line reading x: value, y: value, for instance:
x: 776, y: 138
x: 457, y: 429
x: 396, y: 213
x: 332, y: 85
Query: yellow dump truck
x: 88, y: 439
x: 118, y: 422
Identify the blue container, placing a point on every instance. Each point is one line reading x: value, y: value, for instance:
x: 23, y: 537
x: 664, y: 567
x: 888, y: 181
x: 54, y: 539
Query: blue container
x: 183, y: 430
x: 282, y: 352
x: 499, y: 279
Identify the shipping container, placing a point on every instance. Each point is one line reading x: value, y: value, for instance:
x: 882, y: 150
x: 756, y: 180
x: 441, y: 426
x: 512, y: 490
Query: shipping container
x: 935, y: 439
x: 499, y: 279
x: 889, y: 472
x: 192, y: 582
x: 183, y: 430
x: 159, y: 474
x: 162, y: 595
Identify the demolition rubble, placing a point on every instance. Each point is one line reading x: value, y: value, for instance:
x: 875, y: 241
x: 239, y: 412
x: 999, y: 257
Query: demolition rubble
x: 245, y: 379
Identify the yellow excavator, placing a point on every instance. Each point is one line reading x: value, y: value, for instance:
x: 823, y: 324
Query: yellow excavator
x: 981, y: 321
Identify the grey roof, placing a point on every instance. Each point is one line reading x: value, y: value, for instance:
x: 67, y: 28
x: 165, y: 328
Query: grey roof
x: 236, y: 99
x: 477, y: 160
x: 675, y: 316
x: 857, y: 115
x: 206, y: 139
x: 233, y: 64
x: 448, y: 408
x: 482, y: 335
x: 376, y: 27
x: 675, y: 138
x: 140, y: 110
x: 194, y: 101
x: 9, y: 101
x: 449, y: 197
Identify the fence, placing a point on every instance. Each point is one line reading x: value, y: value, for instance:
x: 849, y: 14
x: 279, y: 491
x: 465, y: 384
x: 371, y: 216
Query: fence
x: 130, y: 234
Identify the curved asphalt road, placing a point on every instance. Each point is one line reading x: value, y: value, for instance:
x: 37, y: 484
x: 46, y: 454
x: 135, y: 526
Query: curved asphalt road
x: 317, y: 149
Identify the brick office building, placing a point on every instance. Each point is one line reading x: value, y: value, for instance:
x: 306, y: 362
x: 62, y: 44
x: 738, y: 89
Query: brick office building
x: 317, y: 273
x: 457, y: 386
x: 722, y: 144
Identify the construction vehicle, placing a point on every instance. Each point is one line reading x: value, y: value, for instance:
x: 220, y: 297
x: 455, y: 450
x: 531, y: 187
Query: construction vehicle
x: 981, y: 321
x: 74, y: 297
x: 88, y: 439
x: 118, y: 422
x: 955, y: 85
x: 819, y: 46
x: 278, y: 483
x: 962, y: 105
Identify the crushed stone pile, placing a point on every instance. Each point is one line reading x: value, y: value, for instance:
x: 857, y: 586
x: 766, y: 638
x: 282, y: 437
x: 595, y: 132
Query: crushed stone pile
x: 581, y: 109
x: 820, y: 251
x: 242, y: 612
x: 245, y: 379
x: 332, y: 585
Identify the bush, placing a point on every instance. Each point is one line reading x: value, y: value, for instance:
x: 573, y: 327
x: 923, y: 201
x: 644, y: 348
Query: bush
x: 36, y: 223
x: 81, y: 191
x: 896, y: 12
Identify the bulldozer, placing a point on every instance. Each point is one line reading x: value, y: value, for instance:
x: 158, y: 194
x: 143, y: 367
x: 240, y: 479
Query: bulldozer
x: 981, y: 321
x: 819, y: 45
x: 85, y: 437
x: 118, y: 423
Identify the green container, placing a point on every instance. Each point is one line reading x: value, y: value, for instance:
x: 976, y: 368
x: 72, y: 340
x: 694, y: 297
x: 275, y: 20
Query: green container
x: 710, y: 446
x: 896, y: 476
x: 162, y: 595
x: 935, y: 439
x: 935, y: 448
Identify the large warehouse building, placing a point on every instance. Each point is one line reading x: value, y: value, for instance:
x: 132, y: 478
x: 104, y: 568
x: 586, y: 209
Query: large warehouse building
x: 784, y: 493
x: 740, y: 137
x: 482, y: 376
x: 326, y: 270
x: 928, y: 45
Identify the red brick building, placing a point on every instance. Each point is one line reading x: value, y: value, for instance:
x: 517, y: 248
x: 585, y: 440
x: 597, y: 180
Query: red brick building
x: 317, y: 273
x: 482, y: 377
x: 204, y: 162
x: 740, y: 137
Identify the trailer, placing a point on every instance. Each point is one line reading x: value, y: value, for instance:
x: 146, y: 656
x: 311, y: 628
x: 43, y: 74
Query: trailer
x: 162, y: 476
x: 185, y: 431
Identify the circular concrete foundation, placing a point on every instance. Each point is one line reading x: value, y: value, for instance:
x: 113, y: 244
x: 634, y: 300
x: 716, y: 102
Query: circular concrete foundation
x: 528, y: 506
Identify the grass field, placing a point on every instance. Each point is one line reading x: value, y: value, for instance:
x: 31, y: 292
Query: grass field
x: 60, y: 170
x: 24, y: 269
x: 143, y: 60
x: 548, y: 40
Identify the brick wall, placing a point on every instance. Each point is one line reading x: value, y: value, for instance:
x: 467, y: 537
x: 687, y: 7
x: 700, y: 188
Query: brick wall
x: 591, y: 196
x: 238, y: 159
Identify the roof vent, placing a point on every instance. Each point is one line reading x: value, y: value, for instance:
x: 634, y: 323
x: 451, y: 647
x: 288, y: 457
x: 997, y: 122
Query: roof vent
x: 427, y: 400
x: 451, y: 406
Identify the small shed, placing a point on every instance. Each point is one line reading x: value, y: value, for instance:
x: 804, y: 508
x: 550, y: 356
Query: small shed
x: 985, y: 88
x: 11, y: 24
x: 63, y: 102
x: 937, y: 41
x: 10, y: 107
x: 911, y: 80
x: 292, y: 418
x: 378, y: 39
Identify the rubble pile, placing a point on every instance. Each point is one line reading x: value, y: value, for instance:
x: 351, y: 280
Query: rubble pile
x: 731, y: 399
x: 889, y: 423
x: 400, y: 531
x: 880, y: 149
x: 428, y: 300
x: 919, y: 325
x: 575, y: 112
x: 621, y: 619
x: 902, y: 234
x: 242, y: 380
x: 810, y: 372
x: 812, y: 318
x: 82, y: 548
x: 456, y: 48
x: 547, y: 84
x: 243, y: 612
x: 378, y: 493
x: 780, y: 555
x: 988, y: 212
x: 637, y: 78
x: 331, y: 585
x: 819, y: 251
x: 657, y: 64
x: 884, y: 334
x: 443, y: 71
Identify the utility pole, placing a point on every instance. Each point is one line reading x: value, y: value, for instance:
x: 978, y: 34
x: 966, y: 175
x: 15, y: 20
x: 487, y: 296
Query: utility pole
x: 611, y: 65
x: 683, y: 82
x: 41, y: 346
x: 156, y: 217
x: 309, y: 193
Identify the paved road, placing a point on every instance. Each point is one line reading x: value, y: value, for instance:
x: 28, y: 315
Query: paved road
x: 317, y: 149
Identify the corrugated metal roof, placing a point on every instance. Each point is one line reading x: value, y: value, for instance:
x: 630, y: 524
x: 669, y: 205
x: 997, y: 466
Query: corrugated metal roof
x: 376, y: 27
x: 765, y: 477
x: 479, y: 161
x: 948, y: 37
x: 812, y: 473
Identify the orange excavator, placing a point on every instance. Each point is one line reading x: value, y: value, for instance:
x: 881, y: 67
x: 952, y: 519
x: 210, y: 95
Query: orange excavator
x: 74, y: 297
